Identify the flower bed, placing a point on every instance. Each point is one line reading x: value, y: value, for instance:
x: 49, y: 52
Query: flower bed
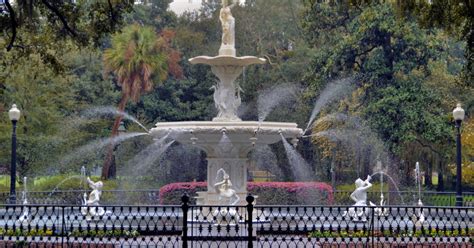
x: 269, y: 193
x: 425, y: 233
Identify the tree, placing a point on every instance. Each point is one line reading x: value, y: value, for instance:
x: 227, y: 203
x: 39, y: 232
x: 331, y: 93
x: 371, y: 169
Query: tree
x: 138, y: 58
x: 43, y: 97
x: 454, y: 16
x: 391, y: 59
x: 82, y: 21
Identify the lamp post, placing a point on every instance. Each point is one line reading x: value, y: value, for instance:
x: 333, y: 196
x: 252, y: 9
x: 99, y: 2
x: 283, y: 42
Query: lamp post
x: 458, y: 114
x: 14, y: 115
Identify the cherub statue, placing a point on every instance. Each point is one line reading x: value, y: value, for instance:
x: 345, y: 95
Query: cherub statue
x: 223, y: 188
x: 91, y: 205
x: 359, y: 196
x: 418, y: 218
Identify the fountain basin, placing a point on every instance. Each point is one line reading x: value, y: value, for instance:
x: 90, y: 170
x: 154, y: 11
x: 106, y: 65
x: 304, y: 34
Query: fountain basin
x: 227, y: 145
x: 203, y: 133
x: 226, y: 60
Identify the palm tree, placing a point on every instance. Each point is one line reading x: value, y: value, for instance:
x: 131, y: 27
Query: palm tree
x: 137, y: 57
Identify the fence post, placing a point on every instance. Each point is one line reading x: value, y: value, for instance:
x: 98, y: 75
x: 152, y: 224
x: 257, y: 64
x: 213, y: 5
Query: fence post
x: 184, y: 209
x: 63, y: 225
x: 250, y: 200
x: 373, y: 224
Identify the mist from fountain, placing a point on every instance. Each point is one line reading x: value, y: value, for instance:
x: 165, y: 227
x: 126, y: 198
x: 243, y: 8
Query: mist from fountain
x: 418, y: 180
x: 333, y: 91
x: 25, y: 214
x: 96, y: 145
x: 300, y: 167
x: 188, y: 158
x: 145, y: 159
x: 111, y: 111
x: 265, y: 159
x: 225, y: 144
x: 393, y: 183
x: 275, y: 96
x: 56, y: 187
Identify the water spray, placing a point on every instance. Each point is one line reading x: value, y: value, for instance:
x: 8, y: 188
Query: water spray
x: 418, y: 182
x: 25, y: 215
x: 193, y: 138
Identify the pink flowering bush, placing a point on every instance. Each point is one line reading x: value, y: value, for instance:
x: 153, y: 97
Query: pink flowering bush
x: 172, y: 193
x: 269, y: 193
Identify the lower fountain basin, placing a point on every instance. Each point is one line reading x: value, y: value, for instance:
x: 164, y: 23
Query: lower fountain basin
x: 226, y: 144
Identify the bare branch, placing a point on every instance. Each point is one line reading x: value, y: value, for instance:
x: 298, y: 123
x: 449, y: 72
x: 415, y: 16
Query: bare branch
x: 60, y: 16
x: 112, y: 14
x: 13, y: 24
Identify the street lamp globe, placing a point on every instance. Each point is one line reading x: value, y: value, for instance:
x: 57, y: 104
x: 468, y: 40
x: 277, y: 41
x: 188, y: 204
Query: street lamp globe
x: 458, y: 113
x: 14, y: 113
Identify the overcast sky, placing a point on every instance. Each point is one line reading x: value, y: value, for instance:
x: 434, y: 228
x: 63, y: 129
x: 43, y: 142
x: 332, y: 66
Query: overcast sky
x: 180, y: 6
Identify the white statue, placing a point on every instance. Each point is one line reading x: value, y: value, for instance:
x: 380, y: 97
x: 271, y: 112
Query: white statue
x: 228, y: 24
x: 219, y: 99
x: 223, y: 188
x: 228, y: 29
x: 418, y: 218
x: 359, y: 196
x: 91, y: 204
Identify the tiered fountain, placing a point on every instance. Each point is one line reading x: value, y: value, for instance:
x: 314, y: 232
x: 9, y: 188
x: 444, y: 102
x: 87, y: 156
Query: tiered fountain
x: 227, y: 139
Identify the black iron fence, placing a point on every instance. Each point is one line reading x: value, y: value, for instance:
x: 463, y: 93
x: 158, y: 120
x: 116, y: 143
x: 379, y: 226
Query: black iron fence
x: 429, y: 198
x: 75, y: 197
x: 151, y: 197
x: 235, y: 226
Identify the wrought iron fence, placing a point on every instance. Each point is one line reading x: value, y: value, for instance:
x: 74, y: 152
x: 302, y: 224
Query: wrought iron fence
x: 235, y: 226
x: 429, y: 198
x: 75, y: 197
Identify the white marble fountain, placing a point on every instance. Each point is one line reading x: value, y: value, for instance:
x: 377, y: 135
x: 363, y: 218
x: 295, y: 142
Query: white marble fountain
x: 226, y: 139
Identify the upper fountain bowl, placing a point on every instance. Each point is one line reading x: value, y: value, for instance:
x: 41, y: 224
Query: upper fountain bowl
x: 226, y: 60
x: 243, y: 134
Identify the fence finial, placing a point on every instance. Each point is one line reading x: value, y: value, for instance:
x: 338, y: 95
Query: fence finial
x: 249, y: 199
x: 185, y: 198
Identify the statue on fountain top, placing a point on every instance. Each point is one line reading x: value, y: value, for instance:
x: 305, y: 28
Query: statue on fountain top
x: 228, y: 29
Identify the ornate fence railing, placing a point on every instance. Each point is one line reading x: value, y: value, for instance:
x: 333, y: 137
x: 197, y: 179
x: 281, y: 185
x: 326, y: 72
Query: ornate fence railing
x: 75, y: 197
x: 235, y: 226
x: 151, y: 197
x: 429, y: 198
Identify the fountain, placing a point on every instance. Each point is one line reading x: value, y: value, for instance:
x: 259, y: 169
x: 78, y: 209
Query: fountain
x: 242, y: 136
x: 25, y: 217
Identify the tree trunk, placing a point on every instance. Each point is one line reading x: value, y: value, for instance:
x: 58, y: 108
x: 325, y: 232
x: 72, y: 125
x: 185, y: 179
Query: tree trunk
x: 440, y: 175
x: 429, y: 174
x: 109, y: 167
